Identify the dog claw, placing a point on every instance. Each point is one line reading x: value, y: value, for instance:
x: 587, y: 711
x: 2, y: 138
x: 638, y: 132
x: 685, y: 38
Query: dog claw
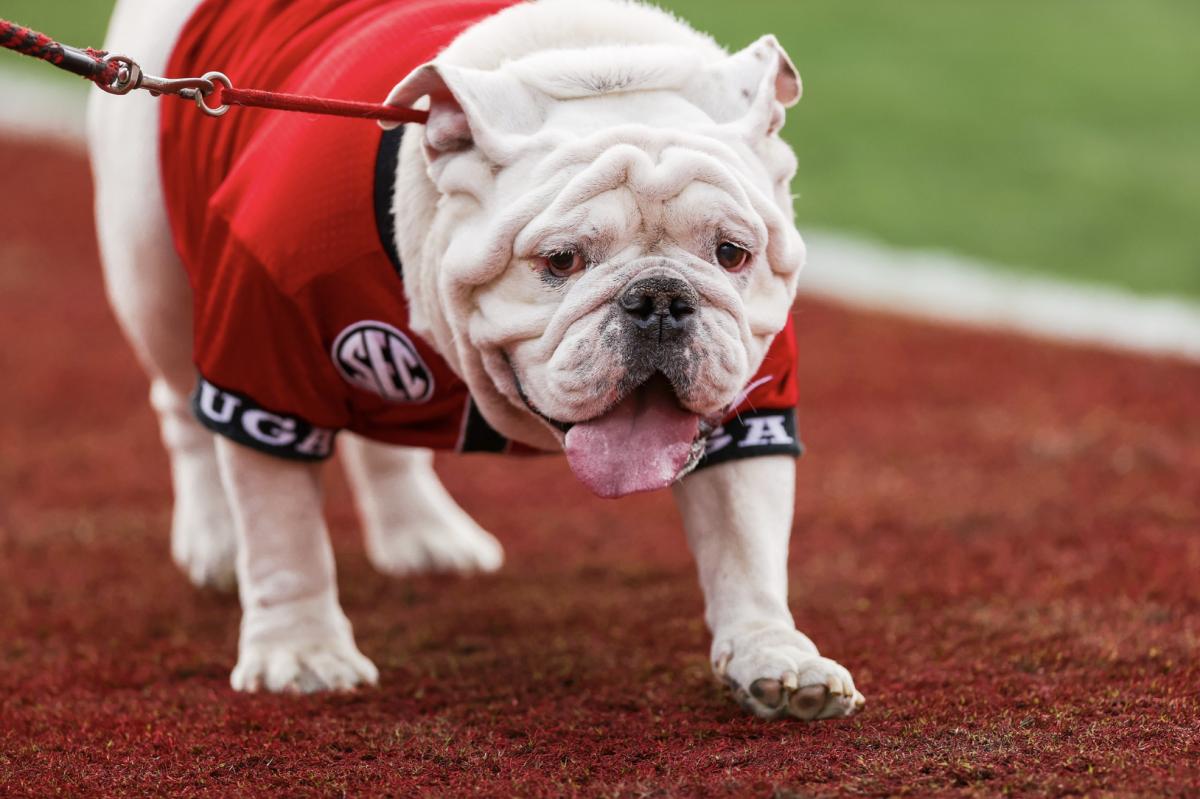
x: 837, y: 687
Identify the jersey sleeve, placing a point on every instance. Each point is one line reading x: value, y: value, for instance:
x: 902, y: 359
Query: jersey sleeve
x: 764, y: 421
x: 265, y: 379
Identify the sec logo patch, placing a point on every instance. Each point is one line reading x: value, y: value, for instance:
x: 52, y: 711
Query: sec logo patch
x: 376, y: 357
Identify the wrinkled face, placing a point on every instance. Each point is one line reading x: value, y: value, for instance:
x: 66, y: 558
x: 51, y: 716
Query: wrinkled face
x: 642, y: 265
x: 614, y: 271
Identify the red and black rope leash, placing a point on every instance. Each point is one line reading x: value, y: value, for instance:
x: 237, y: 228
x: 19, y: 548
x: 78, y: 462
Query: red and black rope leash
x: 117, y: 74
x: 85, y: 63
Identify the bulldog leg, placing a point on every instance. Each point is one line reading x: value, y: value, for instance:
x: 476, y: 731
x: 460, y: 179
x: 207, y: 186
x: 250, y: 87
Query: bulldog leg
x: 738, y: 518
x: 149, y: 293
x: 411, y: 524
x: 203, y: 543
x: 150, y: 297
x: 294, y: 635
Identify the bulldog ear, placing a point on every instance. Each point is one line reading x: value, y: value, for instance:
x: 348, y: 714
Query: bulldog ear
x: 488, y: 110
x: 751, y: 88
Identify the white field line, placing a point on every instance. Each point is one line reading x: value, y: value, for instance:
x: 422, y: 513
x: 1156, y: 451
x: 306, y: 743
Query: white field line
x: 42, y: 109
x: 850, y: 270
x: 955, y: 289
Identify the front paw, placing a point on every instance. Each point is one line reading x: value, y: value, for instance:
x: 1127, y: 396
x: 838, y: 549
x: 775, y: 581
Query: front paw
x: 302, y: 669
x: 300, y: 647
x: 776, y: 671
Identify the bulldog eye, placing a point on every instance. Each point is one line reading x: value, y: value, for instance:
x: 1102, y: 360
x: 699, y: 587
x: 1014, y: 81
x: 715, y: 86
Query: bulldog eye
x: 731, y: 257
x: 565, y: 263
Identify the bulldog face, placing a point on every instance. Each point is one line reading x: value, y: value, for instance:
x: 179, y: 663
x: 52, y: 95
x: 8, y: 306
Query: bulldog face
x: 613, y: 248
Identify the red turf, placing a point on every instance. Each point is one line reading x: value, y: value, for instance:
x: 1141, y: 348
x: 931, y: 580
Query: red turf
x: 1001, y: 538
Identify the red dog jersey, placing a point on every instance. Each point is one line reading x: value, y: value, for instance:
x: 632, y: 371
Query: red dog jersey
x: 283, y: 222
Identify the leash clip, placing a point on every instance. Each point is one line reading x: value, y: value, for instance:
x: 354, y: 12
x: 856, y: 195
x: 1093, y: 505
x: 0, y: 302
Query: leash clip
x: 129, y: 76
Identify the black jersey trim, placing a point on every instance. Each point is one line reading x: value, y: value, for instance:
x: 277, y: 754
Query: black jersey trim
x: 478, y: 435
x: 753, y: 434
x: 239, y: 418
x: 387, y: 160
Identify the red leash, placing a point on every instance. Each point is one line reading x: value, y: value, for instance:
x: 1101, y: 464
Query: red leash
x: 252, y: 98
x: 118, y: 74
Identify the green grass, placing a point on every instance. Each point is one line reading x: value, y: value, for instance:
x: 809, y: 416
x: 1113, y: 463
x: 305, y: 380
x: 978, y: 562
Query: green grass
x: 1056, y: 135
x: 1059, y: 136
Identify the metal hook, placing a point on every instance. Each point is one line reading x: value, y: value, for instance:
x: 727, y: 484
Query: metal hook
x: 184, y: 87
x: 130, y: 76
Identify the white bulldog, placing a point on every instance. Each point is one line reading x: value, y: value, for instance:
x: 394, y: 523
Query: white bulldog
x: 596, y: 235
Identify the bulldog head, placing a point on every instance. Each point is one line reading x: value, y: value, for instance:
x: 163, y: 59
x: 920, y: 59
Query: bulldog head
x: 612, y: 249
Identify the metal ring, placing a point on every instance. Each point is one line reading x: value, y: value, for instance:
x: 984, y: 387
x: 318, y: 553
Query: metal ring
x: 213, y: 77
x: 128, y: 77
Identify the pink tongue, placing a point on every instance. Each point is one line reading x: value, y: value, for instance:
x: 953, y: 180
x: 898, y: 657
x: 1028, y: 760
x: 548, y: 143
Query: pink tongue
x: 640, y: 445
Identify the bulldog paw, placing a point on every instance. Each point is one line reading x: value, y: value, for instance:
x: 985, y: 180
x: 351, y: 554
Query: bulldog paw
x: 300, y: 647
x: 459, y: 546
x: 303, y: 669
x: 777, y: 672
x: 203, y: 544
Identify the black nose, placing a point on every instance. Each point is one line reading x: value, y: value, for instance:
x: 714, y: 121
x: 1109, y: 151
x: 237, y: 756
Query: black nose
x: 660, y: 307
